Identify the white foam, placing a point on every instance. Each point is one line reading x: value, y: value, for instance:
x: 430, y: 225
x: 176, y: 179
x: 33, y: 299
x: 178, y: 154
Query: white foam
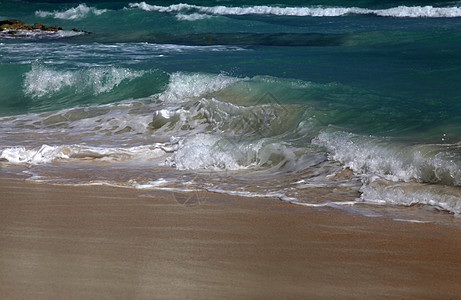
x: 243, y: 193
x: 315, y: 11
x: 283, y: 197
x: 259, y: 9
x: 412, y: 221
x: 20, y: 155
x: 174, y: 7
x: 333, y: 204
x: 192, y: 17
x: 392, y: 161
x: 38, y: 34
x: 41, y: 81
x: 159, y: 184
x: 183, y: 87
x: 75, y: 13
x: 420, y: 12
x: 46, y: 154
x: 202, y: 152
x: 399, y: 174
x: 408, y: 194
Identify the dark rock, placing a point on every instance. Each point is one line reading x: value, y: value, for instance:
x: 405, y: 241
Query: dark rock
x: 78, y: 30
x: 13, y: 24
x: 38, y: 26
x: 20, y: 25
x: 52, y: 28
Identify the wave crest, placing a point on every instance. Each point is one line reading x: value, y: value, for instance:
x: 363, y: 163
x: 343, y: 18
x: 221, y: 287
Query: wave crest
x: 393, y: 161
x: 184, y: 87
x: 317, y: 11
x: 42, y: 81
x: 75, y: 13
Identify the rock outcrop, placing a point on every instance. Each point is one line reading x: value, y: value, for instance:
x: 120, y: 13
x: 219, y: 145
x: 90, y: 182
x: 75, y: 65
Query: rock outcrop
x: 13, y: 25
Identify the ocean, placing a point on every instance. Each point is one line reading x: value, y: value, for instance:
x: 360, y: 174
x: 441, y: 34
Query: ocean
x: 348, y: 105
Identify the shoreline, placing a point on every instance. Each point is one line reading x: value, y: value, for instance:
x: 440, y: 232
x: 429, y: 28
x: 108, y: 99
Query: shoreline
x: 59, y: 241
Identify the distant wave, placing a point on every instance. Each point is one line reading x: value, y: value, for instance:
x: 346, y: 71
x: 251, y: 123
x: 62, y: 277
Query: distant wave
x: 315, y: 11
x: 75, y: 13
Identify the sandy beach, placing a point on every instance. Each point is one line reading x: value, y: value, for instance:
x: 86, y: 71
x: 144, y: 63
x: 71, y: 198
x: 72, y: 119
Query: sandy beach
x: 100, y: 242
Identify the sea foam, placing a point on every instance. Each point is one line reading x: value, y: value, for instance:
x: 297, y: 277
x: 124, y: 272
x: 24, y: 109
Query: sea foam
x: 192, y: 17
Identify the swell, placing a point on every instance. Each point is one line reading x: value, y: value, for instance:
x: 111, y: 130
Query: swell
x: 237, y: 39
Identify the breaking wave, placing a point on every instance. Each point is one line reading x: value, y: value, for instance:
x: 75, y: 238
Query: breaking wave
x: 216, y: 123
x: 76, y: 13
x: 183, y: 86
x: 427, y: 163
x: 399, y: 12
x: 42, y: 81
x: 381, y: 192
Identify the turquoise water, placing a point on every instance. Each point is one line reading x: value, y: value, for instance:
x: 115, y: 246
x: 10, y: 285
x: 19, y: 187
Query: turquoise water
x: 320, y: 103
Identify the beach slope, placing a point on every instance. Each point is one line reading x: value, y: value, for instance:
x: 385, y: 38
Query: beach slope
x: 100, y: 242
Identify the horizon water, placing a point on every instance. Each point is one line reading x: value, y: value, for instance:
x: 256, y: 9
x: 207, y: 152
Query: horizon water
x: 352, y: 105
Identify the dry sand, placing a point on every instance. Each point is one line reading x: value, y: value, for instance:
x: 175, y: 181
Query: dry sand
x: 99, y: 242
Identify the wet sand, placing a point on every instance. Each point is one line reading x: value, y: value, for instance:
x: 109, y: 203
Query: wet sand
x: 99, y: 242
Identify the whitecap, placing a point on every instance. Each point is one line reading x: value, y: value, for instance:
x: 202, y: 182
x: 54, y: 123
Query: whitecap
x: 314, y: 11
x: 43, y: 81
x: 393, y: 161
x: 184, y: 87
x: 75, y: 13
x: 192, y: 17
